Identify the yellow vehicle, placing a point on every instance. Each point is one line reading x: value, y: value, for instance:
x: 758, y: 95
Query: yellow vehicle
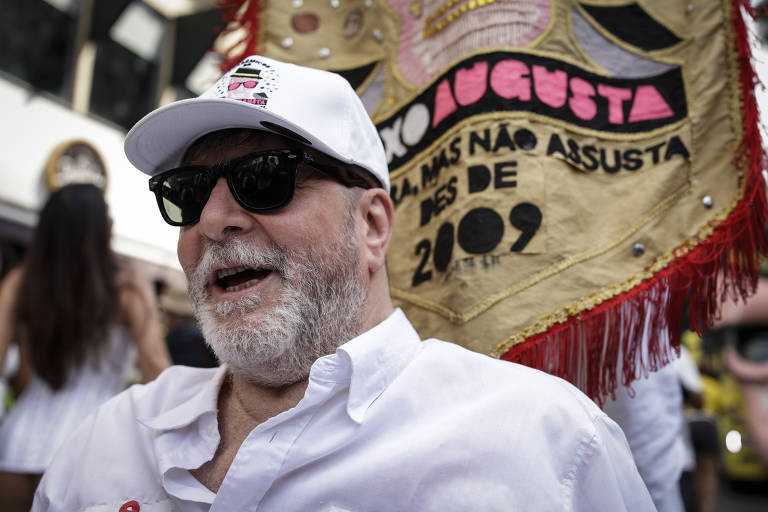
x: 741, y: 425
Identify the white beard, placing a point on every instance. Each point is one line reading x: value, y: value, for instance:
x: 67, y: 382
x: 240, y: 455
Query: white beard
x: 320, y: 306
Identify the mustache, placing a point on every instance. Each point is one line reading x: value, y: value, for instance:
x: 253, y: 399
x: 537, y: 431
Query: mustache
x: 233, y: 252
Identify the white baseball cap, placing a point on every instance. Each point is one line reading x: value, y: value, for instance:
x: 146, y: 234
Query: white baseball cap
x: 318, y: 108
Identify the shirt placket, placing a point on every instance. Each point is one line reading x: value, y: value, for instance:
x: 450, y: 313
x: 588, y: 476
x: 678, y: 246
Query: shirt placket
x: 263, y: 453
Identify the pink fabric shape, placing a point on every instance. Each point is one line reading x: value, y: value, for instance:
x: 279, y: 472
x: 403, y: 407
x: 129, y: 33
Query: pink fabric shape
x: 510, y: 79
x: 550, y: 86
x: 444, y: 102
x: 470, y: 84
x: 648, y: 104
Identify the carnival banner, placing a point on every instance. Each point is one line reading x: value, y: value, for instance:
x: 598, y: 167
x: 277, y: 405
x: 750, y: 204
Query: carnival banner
x: 566, y: 175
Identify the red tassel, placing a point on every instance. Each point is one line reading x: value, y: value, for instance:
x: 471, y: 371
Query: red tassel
x: 585, y: 349
x: 236, y: 16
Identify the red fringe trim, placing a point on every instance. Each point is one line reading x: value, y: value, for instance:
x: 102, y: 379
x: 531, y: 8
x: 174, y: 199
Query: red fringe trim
x: 234, y: 20
x: 585, y: 349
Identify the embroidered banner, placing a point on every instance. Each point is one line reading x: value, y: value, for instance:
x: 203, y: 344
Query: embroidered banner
x: 565, y: 174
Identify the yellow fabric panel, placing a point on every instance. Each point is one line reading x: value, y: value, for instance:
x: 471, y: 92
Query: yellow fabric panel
x: 532, y: 151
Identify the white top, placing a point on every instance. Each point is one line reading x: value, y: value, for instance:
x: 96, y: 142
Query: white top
x: 687, y: 371
x: 652, y: 419
x: 42, y: 419
x: 651, y: 415
x: 387, y: 423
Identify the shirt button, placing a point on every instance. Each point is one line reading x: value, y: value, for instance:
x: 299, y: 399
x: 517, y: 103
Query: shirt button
x: 211, y: 429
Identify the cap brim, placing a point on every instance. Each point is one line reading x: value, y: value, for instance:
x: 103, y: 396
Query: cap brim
x: 160, y: 139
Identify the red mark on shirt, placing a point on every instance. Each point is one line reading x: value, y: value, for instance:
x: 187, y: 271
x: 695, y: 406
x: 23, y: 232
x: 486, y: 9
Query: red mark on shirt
x: 130, y: 506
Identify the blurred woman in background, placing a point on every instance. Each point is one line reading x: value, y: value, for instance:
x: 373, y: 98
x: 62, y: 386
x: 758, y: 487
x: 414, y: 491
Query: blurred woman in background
x: 75, y: 313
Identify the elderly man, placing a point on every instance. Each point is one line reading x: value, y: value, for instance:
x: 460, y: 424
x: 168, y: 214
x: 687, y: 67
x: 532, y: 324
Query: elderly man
x: 327, y: 399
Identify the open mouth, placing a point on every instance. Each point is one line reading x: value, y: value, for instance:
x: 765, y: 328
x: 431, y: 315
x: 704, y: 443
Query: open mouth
x: 239, y: 278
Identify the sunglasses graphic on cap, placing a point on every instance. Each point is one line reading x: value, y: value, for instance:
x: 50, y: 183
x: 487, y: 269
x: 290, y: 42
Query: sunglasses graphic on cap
x: 261, y: 181
x: 250, y: 84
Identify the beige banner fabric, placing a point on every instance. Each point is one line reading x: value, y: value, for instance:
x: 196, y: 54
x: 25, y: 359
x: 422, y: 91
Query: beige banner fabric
x: 545, y: 156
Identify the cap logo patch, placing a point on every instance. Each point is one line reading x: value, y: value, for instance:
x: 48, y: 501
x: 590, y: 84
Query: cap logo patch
x: 253, y: 81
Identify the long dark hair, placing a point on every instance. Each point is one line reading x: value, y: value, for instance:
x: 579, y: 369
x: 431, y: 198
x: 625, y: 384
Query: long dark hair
x: 68, y: 294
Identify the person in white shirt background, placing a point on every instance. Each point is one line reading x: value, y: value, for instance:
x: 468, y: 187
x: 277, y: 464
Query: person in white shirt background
x: 327, y: 399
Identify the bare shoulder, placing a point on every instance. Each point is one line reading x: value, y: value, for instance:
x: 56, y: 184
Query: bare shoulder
x: 127, y: 276
x: 128, y: 279
x: 10, y: 285
x: 9, y: 292
x: 13, y: 279
x: 134, y: 290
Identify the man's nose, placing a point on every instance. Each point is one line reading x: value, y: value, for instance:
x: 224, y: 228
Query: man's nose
x: 222, y: 216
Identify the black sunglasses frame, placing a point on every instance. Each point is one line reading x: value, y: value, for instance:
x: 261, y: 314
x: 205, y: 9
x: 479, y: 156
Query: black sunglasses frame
x: 293, y: 157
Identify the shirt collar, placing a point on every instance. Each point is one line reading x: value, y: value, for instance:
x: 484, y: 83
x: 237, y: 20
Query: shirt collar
x: 377, y: 357
x: 204, y: 401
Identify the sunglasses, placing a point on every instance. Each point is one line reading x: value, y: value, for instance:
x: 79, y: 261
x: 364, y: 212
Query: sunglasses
x: 262, y: 181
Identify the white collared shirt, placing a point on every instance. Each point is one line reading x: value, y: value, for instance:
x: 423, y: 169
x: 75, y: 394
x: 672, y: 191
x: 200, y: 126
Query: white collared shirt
x: 387, y: 423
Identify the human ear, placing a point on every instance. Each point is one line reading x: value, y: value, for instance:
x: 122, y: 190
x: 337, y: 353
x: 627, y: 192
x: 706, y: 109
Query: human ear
x: 377, y: 212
